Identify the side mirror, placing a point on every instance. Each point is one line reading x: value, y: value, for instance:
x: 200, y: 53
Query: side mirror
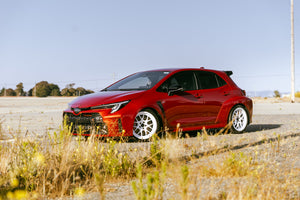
x: 174, y: 89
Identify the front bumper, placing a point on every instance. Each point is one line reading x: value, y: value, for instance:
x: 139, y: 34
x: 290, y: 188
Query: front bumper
x: 94, y: 123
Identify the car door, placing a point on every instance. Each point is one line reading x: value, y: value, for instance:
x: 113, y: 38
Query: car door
x: 182, y: 106
x: 214, y: 91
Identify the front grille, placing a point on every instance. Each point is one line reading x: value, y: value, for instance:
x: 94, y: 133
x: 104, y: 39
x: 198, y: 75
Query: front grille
x: 86, y: 123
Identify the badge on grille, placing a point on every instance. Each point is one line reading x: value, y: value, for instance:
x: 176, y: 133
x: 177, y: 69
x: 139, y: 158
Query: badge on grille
x: 77, y: 110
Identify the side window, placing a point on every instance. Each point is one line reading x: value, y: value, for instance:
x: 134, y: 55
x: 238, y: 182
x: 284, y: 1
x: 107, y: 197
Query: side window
x: 221, y: 81
x: 209, y: 80
x: 186, y: 80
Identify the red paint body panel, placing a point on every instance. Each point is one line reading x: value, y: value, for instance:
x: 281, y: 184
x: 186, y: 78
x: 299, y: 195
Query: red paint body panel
x: 193, y: 110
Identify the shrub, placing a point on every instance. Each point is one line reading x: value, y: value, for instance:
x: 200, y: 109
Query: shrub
x: 277, y: 94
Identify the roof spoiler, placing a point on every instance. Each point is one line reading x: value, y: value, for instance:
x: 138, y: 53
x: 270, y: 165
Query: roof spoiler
x: 229, y: 73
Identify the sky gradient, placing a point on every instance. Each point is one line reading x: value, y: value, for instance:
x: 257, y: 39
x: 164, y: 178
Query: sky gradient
x: 93, y: 43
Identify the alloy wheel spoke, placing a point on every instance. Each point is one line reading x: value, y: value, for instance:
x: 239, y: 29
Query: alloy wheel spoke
x: 239, y: 119
x: 145, y: 125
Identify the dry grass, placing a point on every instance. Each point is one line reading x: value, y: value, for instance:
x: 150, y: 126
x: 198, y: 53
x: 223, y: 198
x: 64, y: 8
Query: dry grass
x: 58, y: 166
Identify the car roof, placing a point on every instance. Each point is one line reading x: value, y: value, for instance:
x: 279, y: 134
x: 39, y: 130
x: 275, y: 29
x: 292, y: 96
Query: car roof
x: 197, y: 69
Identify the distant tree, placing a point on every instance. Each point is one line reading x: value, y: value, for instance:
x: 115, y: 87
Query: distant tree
x: 42, y: 89
x: 19, y: 89
x: 71, y: 85
x: 65, y: 92
x: 69, y: 90
x: 54, y: 90
x: 277, y: 94
x: 80, y: 91
x: 29, y: 93
x: 90, y: 91
x: 72, y: 92
x: 10, y: 92
x: 2, y: 91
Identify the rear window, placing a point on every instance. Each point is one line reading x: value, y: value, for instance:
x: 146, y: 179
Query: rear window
x: 221, y: 81
x: 209, y: 80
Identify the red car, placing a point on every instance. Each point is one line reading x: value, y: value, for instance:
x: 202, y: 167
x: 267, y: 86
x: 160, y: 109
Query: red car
x: 144, y: 103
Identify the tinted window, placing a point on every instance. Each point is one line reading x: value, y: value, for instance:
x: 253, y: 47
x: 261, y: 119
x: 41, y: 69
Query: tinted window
x: 209, y: 80
x: 221, y: 81
x: 186, y: 80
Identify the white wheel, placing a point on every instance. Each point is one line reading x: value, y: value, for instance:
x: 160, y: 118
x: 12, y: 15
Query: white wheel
x: 145, y: 125
x: 239, y: 119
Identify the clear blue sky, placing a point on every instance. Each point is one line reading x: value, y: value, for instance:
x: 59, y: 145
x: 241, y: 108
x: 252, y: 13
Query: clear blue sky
x: 92, y: 43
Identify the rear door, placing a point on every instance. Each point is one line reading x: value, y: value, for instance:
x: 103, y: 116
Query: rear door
x: 214, y: 91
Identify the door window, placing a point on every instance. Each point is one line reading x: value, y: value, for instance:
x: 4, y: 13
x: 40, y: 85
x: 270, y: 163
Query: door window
x: 186, y: 80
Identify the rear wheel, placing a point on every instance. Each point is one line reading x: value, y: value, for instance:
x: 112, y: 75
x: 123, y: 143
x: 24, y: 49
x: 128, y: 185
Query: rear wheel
x: 239, y: 119
x: 145, y: 125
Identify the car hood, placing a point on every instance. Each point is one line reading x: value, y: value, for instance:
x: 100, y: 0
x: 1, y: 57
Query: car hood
x: 105, y: 97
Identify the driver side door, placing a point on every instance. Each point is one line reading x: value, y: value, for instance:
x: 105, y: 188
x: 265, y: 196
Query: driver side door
x: 183, y: 105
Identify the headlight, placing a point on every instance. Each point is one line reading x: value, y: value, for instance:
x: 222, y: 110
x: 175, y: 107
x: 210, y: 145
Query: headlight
x: 114, y: 106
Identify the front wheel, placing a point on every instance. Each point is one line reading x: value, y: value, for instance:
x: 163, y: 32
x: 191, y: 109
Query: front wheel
x: 145, y: 125
x: 239, y: 119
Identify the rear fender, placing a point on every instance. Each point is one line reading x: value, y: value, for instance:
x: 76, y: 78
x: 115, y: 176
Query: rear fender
x: 224, y: 112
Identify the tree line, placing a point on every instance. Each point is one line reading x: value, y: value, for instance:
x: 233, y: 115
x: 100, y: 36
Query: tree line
x: 44, y: 89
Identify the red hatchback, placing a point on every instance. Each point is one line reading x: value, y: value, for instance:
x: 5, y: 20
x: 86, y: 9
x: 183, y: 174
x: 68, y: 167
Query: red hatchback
x: 142, y: 104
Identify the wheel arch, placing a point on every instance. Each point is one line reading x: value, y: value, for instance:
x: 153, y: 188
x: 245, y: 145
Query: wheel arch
x: 228, y: 105
x: 157, y: 114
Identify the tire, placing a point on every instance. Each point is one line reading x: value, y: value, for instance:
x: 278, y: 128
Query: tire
x: 239, y: 118
x: 146, y: 124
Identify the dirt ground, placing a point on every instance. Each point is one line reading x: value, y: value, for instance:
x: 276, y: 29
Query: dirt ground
x: 27, y: 116
x: 38, y: 116
x: 30, y: 115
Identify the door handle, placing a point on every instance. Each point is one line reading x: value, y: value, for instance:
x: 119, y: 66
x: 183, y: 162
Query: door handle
x: 226, y: 93
x: 198, y: 95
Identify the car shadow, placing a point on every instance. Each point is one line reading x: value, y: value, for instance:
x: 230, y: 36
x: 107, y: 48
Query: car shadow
x: 251, y: 128
x: 237, y: 147
x: 261, y: 127
x: 191, y: 134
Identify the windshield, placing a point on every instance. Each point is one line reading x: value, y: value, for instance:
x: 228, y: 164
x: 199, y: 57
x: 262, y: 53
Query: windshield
x: 138, y: 81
